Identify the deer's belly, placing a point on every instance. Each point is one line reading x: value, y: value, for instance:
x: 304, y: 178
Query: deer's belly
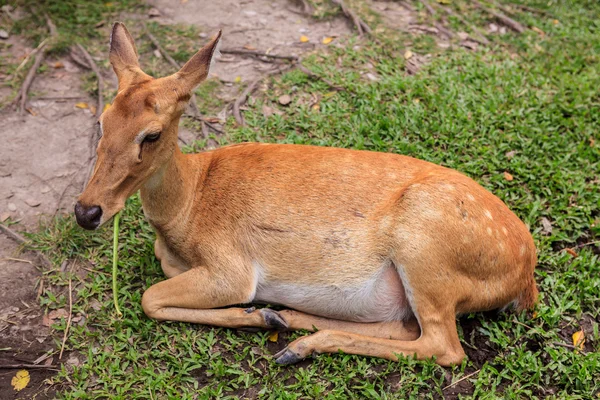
x: 380, y: 297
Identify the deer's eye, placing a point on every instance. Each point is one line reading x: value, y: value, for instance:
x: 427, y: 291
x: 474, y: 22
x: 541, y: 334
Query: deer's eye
x: 151, y: 138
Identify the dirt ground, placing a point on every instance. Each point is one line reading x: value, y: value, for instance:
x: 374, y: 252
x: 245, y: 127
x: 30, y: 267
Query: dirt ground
x: 45, y: 153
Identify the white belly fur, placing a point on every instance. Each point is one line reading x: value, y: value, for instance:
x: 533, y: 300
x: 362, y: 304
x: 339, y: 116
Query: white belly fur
x: 380, y: 297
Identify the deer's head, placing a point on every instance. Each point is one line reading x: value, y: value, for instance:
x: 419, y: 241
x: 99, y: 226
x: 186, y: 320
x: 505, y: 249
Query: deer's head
x: 139, y: 131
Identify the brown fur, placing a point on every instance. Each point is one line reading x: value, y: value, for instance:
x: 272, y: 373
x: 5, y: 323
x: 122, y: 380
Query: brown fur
x: 250, y: 221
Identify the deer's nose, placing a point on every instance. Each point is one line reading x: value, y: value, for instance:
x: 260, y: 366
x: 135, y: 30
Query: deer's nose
x: 88, y: 217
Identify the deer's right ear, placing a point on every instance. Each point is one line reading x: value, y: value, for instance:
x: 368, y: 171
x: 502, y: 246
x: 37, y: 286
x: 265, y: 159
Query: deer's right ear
x: 123, y: 55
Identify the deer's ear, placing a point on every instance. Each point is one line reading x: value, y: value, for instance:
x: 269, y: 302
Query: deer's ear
x: 123, y: 54
x: 196, y: 69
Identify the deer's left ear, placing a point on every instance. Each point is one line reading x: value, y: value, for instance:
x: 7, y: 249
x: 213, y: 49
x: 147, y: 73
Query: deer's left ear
x: 196, y: 69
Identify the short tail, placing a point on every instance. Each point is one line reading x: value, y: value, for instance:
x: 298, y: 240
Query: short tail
x: 528, y: 297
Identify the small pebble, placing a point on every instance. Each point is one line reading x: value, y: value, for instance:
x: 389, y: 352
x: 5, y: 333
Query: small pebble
x: 3, y: 34
x: 12, y: 207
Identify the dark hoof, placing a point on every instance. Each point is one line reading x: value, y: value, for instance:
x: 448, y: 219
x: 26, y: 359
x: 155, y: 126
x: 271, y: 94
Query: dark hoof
x: 250, y: 310
x: 250, y: 329
x: 286, y: 357
x: 274, y: 320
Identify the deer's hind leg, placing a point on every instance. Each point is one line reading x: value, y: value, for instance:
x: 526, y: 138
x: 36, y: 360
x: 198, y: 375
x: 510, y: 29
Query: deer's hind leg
x: 399, y: 330
x: 438, y: 339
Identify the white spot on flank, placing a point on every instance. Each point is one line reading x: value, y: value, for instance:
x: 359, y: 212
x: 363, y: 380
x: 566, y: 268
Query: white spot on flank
x: 488, y: 214
x: 505, y: 231
x: 489, y: 231
x: 523, y: 250
x: 470, y: 197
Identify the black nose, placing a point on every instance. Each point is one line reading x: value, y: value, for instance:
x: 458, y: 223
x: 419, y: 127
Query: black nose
x: 88, y: 217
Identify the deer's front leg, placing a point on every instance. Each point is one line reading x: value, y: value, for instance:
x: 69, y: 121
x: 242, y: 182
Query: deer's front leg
x: 170, y: 265
x: 191, y: 295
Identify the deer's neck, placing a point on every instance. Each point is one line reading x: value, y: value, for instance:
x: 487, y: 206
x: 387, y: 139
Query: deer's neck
x: 168, y: 195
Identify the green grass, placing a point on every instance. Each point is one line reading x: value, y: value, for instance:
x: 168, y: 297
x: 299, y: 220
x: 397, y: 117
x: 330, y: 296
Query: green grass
x: 529, y: 105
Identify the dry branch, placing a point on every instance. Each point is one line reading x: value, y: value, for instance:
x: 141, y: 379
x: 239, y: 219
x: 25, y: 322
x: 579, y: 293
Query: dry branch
x: 21, y: 240
x: 28, y: 366
x: 39, y: 58
x: 532, y: 10
x: 360, y: 25
x: 254, y: 53
x: 441, y: 28
x: 461, y: 379
x: 241, y: 100
x: 94, y: 67
x: 481, y: 36
x: 511, y: 23
x: 66, y: 334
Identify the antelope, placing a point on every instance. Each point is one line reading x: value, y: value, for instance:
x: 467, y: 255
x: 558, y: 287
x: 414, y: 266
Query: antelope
x: 376, y: 253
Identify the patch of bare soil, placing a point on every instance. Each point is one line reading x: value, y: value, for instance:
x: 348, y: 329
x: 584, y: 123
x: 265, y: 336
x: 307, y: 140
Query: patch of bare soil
x: 23, y: 336
x: 43, y: 159
x: 273, y: 26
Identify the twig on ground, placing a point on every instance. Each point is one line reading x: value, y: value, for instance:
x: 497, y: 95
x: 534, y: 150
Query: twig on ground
x: 532, y: 10
x: 34, y: 52
x: 585, y: 244
x: 570, y: 346
x: 254, y: 53
x: 21, y: 240
x: 461, y: 379
x: 76, y: 57
x: 28, y: 366
x: 62, y: 347
x: 96, y: 70
x: 481, y: 36
x: 192, y: 104
x: 441, y: 28
x: 360, y: 25
x: 39, y: 58
x: 428, y: 7
x: 239, y: 102
x: 22, y: 96
x: 511, y: 23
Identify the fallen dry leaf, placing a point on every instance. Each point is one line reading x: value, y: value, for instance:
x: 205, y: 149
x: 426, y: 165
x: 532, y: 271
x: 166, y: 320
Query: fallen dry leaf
x: 508, y: 176
x: 546, y: 226
x: 238, y: 79
x: 316, y: 107
x: 510, y: 154
x: 4, y: 217
x: 106, y: 107
x: 579, y: 339
x: 592, y: 142
x: 273, y: 337
x: 249, y: 47
x: 30, y: 111
x: 213, y: 120
x: 538, y: 30
x: 572, y: 252
x: 555, y: 22
x: 408, y: 54
x: 93, y: 109
x: 82, y: 105
x: 327, y: 40
x: 58, y: 65
x: 304, y: 39
x: 20, y: 380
